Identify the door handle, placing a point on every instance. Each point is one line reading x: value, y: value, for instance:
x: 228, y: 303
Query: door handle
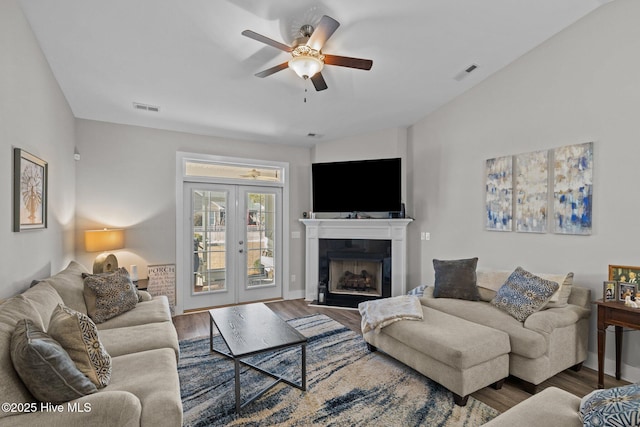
x: 240, y: 251
x: 241, y: 242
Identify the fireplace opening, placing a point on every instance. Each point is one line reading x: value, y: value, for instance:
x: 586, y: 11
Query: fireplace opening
x: 354, y: 270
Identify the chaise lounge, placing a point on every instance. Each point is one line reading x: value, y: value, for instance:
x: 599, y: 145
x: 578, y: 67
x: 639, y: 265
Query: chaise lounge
x: 458, y: 342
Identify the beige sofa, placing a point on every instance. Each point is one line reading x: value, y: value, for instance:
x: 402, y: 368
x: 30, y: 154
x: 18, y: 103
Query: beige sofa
x: 552, y: 407
x: 144, y: 388
x: 546, y: 343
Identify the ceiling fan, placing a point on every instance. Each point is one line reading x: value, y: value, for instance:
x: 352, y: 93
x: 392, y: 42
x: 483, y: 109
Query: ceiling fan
x: 307, y: 60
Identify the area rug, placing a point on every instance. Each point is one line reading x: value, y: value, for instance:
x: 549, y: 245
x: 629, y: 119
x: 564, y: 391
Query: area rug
x: 347, y: 385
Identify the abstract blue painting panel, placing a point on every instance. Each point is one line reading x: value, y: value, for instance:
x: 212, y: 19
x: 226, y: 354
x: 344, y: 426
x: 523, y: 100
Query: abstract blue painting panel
x: 499, y: 197
x: 532, y: 191
x: 573, y: 188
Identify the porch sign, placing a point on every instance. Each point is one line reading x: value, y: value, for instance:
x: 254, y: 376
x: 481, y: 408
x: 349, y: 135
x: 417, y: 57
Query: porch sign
x: 162, y: 281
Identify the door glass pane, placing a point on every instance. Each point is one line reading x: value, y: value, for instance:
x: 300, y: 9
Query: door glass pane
x: 261, y: 232
x: 209, y: 240
x: 234, y: 171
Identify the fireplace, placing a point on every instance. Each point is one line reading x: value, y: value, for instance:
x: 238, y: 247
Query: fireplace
x: 354, y: 270
x: 372, y: 230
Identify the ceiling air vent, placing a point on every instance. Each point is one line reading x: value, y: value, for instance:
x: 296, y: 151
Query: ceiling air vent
x: 146, y: 107
x: 464, y: 73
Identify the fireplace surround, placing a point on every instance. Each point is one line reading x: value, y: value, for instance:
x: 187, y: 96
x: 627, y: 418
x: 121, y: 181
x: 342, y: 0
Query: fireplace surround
x: 392, y: 231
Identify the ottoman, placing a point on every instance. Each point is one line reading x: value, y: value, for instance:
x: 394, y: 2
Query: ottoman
x: 460, y: 355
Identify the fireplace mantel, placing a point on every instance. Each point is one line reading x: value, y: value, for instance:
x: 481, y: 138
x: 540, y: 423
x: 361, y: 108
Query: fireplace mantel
x: 382, y: 229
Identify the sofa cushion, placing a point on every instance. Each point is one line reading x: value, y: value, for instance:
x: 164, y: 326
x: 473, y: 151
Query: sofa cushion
x: 109, y: 295
x: 69, y: 285
x: 456, y: 279
x: 152, y: 376
x: 524, y: 293
x: 137, y: 338
x: 525, y: 342
x: 12, y: 389
x: 618, y: 406
x: 45, y: 299
x: 45, y: 367
x: 78, y: 335
x: 156, y: 310
x: 489, y: 282
x: 560, y: 298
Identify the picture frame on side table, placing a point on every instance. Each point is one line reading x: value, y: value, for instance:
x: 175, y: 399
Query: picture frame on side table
x: 627, y: 289
x: 29, y: 191
x: 624, y: 273
x: 609, y: 291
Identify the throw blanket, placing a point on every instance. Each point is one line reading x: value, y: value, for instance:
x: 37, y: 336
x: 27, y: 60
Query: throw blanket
x: 376, y: 314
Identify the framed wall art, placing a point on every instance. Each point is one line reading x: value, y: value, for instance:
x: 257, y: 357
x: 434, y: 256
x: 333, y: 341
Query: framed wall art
x: 624, y: 273
x: 532, y: 176
x: 627, y: 289
x: 29, y: 191
x: 573, y: 189
x: 609, y: 291
x: 499, y: 197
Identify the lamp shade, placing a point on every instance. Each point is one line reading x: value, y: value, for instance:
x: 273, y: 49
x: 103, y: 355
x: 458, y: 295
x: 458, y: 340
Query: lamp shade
x: 103, y: 240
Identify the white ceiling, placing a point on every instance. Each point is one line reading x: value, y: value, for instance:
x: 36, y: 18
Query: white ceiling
x: 189, y: 58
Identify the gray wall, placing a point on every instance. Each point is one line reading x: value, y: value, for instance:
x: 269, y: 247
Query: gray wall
x: 35, y: 117
x: 582, y: 85
x: 126, y: 178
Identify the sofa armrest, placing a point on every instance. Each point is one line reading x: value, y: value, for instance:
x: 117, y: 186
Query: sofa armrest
x: 102, y: 409
x: 546, y: 321
x: 144, y: 296
x: 551, y: 407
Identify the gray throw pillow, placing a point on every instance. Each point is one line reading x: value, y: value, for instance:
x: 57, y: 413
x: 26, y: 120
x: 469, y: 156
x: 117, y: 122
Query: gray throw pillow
x: 523, y: 294
x: 456, y: 279
x: 45, y: 367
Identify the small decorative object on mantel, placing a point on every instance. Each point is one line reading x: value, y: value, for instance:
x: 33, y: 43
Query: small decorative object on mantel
x: 609, y: 291
x: 29, y: 191
x: 162, y: 281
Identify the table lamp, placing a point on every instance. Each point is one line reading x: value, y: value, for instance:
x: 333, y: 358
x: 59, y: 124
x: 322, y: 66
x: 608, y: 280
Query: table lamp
x: 102, y: 241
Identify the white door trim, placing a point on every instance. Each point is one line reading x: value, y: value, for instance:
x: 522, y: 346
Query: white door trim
x: 182, y: 253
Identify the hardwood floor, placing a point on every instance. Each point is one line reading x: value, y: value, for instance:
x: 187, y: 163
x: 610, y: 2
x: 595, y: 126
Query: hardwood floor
x: 579, y: 383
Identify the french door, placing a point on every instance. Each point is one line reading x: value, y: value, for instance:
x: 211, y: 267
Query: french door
x: 234, y: 235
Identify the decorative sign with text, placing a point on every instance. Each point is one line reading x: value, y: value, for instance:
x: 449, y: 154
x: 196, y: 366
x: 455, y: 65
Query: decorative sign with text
x: 162, y: 281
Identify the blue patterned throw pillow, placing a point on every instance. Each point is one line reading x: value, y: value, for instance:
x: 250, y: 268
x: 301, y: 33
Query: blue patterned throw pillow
x: 523, y: 294
x: 418, y: 292
x: 619, y: 406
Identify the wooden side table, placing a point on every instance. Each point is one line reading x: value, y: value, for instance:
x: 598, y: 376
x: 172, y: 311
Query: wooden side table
x: 620, y: 316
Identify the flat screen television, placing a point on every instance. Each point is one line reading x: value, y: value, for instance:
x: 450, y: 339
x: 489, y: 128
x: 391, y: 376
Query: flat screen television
x: 357, y: 186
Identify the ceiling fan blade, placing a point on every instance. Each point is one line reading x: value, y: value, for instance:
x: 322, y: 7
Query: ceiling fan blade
x: 272, y: 70
x: 266, y: 40
x: 323, y: 31
x: 346, y: 61
x: 318, y: 82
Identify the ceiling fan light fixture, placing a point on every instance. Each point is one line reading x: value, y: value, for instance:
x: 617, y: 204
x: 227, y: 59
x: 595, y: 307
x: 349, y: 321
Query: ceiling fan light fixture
x: 306, y: 62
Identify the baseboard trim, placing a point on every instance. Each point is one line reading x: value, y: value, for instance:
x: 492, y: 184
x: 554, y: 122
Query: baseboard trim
x: 627, y: 372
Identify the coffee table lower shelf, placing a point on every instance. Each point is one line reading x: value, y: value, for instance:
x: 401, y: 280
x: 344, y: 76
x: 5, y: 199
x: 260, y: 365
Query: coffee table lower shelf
x: 237, y: 325
x: 278, y: 379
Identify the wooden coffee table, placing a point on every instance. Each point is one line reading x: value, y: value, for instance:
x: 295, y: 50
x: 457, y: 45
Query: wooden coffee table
x: 252, y: 329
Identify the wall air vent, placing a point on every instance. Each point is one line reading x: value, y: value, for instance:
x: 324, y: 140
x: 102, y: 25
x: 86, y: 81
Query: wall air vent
x: 146, y: 107
x: 464, y: 73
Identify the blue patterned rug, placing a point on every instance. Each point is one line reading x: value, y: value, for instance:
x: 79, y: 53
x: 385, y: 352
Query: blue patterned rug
x: 346, y: 386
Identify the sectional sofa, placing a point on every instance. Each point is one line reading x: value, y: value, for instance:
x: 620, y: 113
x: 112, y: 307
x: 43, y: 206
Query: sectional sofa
x: 142, y: 343
x: 466, y: 345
